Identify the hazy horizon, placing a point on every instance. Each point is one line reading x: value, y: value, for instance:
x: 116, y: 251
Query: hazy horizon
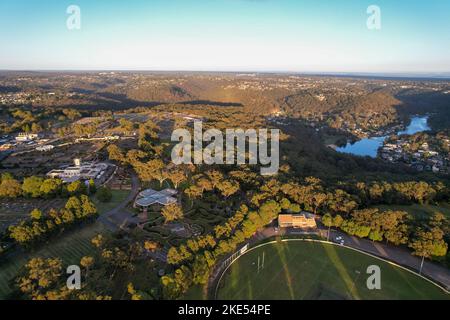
x: 432, y: 75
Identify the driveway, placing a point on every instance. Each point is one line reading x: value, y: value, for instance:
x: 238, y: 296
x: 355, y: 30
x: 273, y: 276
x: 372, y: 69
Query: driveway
x: 115, y: 218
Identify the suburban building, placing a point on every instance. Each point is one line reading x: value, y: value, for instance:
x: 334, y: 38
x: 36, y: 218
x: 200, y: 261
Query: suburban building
x: 85, y: 171
x: 45, y: 148
x: 150, y: 197
x: 25, y: 137
x: 106, y: 138
x: 302, y: 220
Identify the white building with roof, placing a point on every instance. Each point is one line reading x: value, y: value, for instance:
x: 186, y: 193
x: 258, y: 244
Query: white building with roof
x: 45, y: 148
x: 86, y: 171
x: 25, y: 137
x: 151, y: 197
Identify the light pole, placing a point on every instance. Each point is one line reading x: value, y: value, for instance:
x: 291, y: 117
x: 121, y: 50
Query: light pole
x: 421, y: 265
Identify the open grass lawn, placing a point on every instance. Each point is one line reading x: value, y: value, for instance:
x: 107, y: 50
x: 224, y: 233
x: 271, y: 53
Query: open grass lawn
x: 117, y: 197
x: 420, y: 211
x: 310, y: 270
x: 70, y: 247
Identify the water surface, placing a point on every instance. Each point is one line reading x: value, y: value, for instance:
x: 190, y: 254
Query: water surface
x: 369, y: 146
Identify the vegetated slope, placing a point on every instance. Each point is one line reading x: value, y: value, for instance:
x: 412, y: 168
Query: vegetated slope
x: 435, y: 103
x: 373, y: 109
x: 254, y: 99
x: 338, y: 101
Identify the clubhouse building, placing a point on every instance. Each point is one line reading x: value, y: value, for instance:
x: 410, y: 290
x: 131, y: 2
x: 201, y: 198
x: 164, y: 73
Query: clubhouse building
x: 302, y: 220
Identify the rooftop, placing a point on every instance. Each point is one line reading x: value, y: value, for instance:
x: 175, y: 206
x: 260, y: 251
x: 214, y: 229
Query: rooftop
x: 149, y: 197
x: 301, y: 220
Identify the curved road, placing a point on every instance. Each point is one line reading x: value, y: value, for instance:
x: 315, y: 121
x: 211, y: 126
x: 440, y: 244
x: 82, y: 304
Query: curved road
x: 119, y: 211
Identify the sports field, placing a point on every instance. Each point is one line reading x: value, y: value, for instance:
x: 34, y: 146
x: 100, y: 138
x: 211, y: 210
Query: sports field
x: 309, y: 270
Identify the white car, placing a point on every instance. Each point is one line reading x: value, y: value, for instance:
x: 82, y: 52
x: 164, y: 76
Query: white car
x: 339, y: 240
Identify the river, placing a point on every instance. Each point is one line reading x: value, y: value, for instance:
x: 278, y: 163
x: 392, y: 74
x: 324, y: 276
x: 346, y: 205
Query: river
x: 369, y: 146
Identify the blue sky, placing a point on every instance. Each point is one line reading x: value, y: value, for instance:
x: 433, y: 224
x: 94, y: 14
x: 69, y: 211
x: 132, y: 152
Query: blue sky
x: 230, y: 35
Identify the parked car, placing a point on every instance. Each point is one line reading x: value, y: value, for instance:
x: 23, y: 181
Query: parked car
x: 339, y: 240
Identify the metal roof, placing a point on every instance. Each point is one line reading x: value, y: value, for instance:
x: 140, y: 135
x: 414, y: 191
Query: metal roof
x: 149, y: 197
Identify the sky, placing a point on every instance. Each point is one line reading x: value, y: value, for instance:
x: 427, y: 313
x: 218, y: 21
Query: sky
x: 227, y: 35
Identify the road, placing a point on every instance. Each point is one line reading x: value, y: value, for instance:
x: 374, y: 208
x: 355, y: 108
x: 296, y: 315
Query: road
x: 119, y: 213
x: 120, y: 216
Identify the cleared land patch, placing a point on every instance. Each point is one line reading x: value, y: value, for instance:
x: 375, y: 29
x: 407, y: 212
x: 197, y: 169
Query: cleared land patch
x: 420, y: 211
